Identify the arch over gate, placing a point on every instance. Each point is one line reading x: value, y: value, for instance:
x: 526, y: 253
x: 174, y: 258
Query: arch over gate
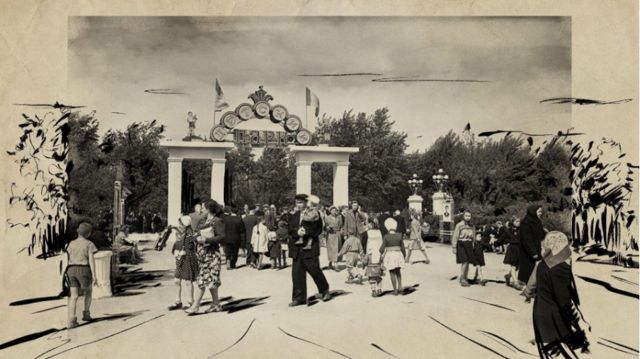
x: 294, y: 133
x: 295, y: 136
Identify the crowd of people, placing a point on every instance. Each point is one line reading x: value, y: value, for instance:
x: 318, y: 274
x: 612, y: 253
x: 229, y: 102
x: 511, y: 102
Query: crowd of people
x: 539, y: 266
x: 538, y: 261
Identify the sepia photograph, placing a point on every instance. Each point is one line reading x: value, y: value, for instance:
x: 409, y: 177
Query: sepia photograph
x: 339, y: 184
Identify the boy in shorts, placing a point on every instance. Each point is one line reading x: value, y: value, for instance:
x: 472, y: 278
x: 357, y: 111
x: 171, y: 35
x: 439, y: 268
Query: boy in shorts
x: 80, y: 272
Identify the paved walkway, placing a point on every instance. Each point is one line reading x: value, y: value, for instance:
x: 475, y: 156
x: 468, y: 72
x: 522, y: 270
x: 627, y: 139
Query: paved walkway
x: 439, y: 319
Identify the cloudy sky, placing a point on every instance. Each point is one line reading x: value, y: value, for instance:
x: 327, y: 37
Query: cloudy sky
x: 508, y: 64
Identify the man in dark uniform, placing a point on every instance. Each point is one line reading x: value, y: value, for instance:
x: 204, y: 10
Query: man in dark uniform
x: 234, y: 234
x: 305, y: 261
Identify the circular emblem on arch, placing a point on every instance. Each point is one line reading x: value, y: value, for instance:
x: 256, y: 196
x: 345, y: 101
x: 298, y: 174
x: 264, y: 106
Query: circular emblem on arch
x: 262, y: 109
x: 279, y: 113
x: 218, y: 133
x: 303, y: 137
x: 229, y: 120
x: 292, y: 123
x: 244, y: 111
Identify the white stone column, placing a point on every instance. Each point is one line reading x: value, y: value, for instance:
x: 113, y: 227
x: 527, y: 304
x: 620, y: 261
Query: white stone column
x: 217, y: 179
x: 303, y: 177
x: 415, y: 202
x: 341, y: 183
x: 174, y: 196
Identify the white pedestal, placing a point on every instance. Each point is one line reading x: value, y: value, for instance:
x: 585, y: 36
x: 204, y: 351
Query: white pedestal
x: 103, y: 275
x: 415, y: 202
x: 442, y: 204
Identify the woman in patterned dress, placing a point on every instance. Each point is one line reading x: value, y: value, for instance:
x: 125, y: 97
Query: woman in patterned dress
x: 211, y: 233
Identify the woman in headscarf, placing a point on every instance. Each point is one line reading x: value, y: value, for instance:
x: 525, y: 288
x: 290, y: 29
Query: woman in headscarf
x: 462, y: 245
x: 556, y: 314
x: 531, y: 235
x: 332, y: 227
x: 211, y: 234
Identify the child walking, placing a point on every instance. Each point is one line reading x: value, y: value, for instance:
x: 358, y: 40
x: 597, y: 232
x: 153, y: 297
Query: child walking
x: 184, y: 250
x: 392, y: 254
x: 352, y: 251
x: 478, y: 259
x: 282, y: 235
x: 274, y: 250
x: 259, y: 239
x: 81, y: 273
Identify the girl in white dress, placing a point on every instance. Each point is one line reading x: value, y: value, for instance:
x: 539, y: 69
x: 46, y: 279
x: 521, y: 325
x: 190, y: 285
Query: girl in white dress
x: 260, y: 239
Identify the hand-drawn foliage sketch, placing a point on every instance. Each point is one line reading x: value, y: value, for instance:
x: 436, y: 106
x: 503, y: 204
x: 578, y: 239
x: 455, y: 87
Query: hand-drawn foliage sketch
x: 41, y: 154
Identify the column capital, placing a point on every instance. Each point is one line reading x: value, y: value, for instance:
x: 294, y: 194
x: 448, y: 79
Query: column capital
x: 218, y: 160
x: 174, y: 159
x: 304, y: 163
x: 342, y: 163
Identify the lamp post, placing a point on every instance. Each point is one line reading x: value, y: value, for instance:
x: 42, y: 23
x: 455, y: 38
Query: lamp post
x: 440, y: 179
x: 415, y: 200
x: 415, y: 183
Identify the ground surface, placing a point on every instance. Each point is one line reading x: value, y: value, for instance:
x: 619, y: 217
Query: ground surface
x: 439, y: 319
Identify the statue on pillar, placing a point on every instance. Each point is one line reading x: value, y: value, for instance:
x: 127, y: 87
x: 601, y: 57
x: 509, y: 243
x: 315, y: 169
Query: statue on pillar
x: 191, y: 121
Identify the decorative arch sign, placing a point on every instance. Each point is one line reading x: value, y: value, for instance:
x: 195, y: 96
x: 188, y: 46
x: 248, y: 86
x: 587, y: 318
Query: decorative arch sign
x: 293, y: 132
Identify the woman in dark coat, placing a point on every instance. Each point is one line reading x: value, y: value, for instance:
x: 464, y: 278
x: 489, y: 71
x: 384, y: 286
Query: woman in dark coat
x: 531, y: 235
x: 556, y: 316
x: 511, y: 237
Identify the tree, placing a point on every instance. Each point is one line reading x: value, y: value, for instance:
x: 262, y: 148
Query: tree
x: 90, y: 180
x: 378, y: 173
x: 144, y: 164
x: 274, y: 177
x: 241, y: 165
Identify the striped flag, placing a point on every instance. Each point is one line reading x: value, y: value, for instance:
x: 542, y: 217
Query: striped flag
x: 221, y: 104
x: 313, y: 102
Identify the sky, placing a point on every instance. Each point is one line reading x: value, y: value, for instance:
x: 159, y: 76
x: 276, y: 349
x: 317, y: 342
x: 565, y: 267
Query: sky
x: 507, y: 64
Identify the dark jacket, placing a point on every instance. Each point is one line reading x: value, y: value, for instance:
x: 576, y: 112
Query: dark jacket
x: 508, y: 236
x: 234, y: 230
x: 313, y: 231
x: 381, y: 218
x: 555, y: 311
x: 531, y: 235
x: 402, y: 225
x: 249, y: 221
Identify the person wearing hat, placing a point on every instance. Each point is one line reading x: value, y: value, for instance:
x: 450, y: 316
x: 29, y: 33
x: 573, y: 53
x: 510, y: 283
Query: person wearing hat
x: 333, y: 227
x: 305, y: 261
x: 355, y: 223
x: 392, y: 253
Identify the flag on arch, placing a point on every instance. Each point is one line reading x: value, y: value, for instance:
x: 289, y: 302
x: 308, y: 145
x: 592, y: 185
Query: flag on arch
x: 313, y: 103
x: 221, y: 104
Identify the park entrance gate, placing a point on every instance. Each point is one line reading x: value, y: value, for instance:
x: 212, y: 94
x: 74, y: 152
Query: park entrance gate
x: 223, y: 138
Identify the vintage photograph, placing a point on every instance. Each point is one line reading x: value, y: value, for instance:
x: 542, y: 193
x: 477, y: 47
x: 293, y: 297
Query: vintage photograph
x: 321, y: 187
